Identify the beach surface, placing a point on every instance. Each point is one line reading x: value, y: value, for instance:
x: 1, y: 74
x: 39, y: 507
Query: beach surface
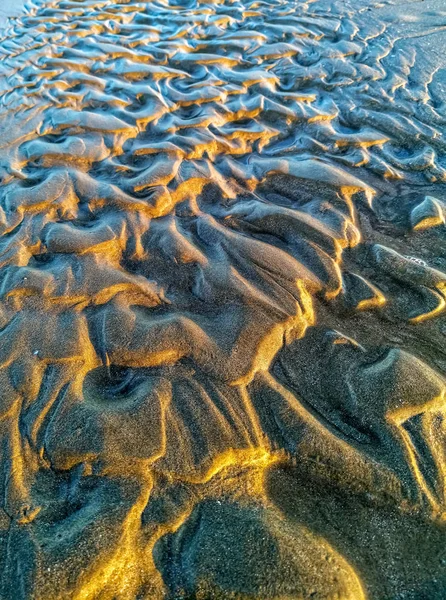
x: 222, y: 300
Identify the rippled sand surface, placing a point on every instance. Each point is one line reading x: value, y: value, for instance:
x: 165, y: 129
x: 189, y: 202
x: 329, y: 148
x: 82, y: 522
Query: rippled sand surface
x: 222, y: 294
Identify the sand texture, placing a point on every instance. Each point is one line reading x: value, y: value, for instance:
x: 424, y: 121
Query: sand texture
x: 222, y: 300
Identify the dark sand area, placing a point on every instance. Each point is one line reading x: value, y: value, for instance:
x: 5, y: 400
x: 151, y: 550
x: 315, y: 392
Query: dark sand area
x: 222, y: 300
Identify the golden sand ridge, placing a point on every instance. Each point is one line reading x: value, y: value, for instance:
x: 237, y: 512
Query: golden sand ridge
x: 222, y: 294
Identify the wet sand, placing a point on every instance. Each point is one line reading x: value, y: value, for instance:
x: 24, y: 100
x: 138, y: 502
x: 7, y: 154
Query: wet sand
x: 10, y: 8
x: 222, y: 300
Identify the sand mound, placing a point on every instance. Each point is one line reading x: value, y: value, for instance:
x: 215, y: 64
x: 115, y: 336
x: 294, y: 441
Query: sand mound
x: 222, y: 286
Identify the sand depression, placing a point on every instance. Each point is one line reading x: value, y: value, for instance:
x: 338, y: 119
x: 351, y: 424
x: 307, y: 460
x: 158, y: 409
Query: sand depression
x: 222, y: 293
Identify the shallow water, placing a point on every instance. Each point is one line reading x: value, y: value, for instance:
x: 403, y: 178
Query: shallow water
x: 10, y: 8
x: 223, y: 285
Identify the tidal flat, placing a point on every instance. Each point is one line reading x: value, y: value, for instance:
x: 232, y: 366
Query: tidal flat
x: 222, y: 300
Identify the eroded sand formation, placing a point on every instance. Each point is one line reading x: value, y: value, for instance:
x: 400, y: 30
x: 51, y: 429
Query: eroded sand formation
x: 223, y: 281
